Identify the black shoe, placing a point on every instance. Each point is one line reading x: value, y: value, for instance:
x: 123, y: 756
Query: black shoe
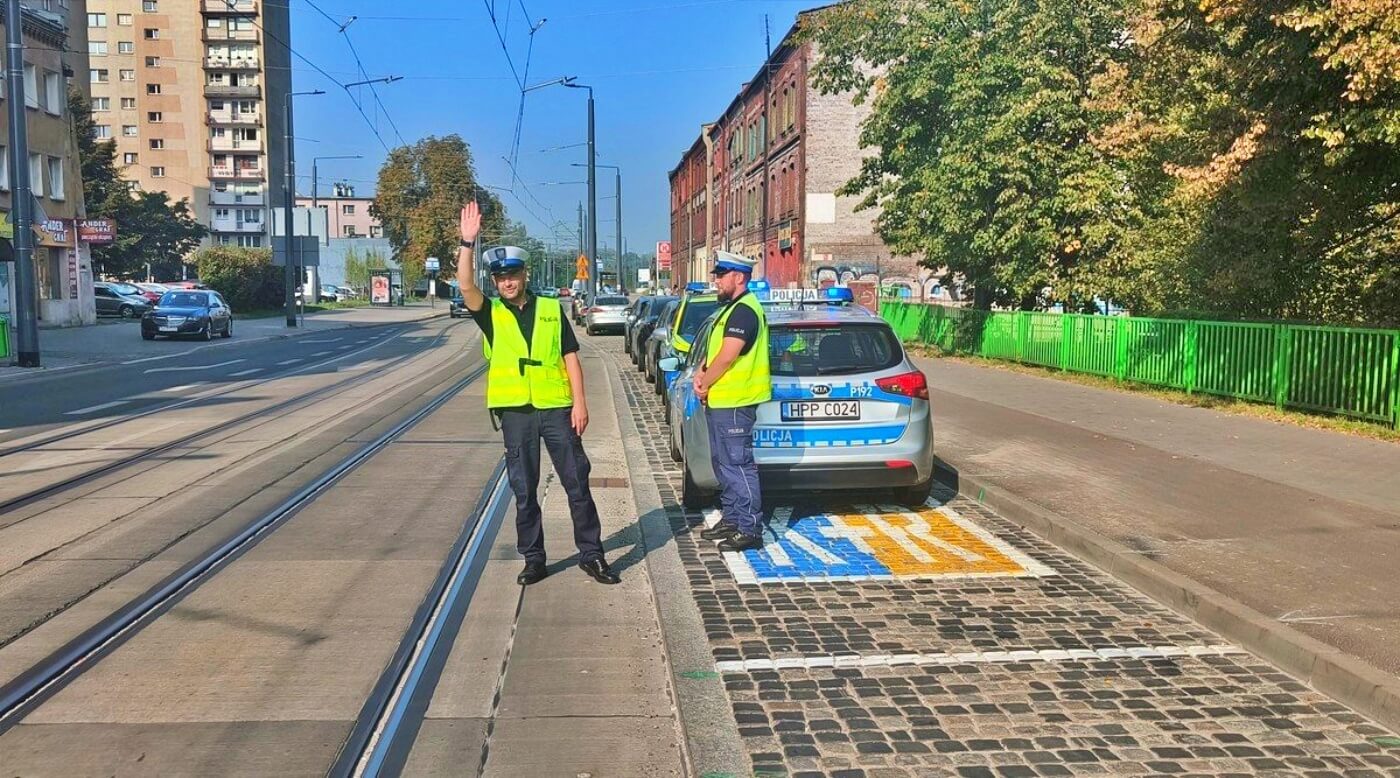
x: 738, y: 541
x: 720, y: 531
x: 597, y: 569
x: 534, y: 572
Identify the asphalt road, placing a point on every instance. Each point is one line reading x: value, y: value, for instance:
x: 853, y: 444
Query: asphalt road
x: 183, y: 367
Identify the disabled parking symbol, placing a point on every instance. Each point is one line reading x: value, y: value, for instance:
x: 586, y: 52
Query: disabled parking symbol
x: 881, y: 543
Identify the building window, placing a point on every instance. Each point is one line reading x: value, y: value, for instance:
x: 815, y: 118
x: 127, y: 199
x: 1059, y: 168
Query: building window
x: 124, y: 20
x: 151, y: 33
x: 153, y: 89
x: 99, y: 76
x: 249, y: 216
x: 97, y: 48
x: 101, y: 103
x: 157, y: 143
x: 129, y: 158
x: 157, y: 172
x: 154, y: 117
x: 4, y: 170
x: 128, y: 103
x: 126, y: 75
x: 133, y: 186
x: 53, y: 92
x: 152, y: 62
x: 31, y: 86
x: 56, y: 178
x: 348, y: 209
x: 102, y: 131
x: 97, y: 20
x: 128, y: 130
x: 36, y: 174
x: 149, y: 6
x: 126, y: 47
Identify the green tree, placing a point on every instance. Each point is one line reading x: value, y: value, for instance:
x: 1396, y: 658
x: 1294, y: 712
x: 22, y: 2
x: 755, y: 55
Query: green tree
x: 245, y: 277
x: 421, y: 189
x: 151, y: 230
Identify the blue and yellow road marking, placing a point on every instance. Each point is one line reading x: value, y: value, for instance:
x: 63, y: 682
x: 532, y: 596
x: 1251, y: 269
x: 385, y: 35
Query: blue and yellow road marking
x: 877, y: 543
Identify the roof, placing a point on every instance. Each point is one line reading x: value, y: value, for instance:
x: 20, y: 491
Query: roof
x: 817, y: 314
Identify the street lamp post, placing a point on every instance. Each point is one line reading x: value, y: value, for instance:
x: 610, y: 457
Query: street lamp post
x: 26, y: 301
x: 289, y: 269
x: 620, y: 283
x: 591, y: 239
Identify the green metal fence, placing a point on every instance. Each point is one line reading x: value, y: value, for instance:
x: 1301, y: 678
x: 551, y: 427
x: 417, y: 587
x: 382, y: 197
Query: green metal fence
x: 1345, y: 371
x: 4, y: 338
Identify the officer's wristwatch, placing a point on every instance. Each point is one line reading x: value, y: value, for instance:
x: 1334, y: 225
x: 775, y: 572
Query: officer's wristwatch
x: 467, y: 244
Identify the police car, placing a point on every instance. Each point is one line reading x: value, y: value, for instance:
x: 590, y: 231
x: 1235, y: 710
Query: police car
x: 849, y: 410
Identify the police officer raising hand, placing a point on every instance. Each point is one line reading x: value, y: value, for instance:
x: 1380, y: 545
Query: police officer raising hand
x: 534, y: 385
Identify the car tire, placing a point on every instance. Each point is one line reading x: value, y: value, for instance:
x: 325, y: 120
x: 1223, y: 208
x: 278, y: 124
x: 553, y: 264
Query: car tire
x: 915, y: 496
x: 208, y: 333
x: 228, y: 329
x: 671, y: 439
x: 590, y: 331
x: 692, y: 497
x: 148, y: 336
x: 126, y: 311
x: 660, y: 382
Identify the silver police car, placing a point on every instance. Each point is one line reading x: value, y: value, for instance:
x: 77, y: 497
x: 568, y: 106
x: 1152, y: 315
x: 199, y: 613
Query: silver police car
x: 849, y: 410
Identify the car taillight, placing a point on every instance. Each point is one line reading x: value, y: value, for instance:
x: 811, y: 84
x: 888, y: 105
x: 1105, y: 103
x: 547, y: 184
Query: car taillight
x: 594, y: 309
x: 908, y: 384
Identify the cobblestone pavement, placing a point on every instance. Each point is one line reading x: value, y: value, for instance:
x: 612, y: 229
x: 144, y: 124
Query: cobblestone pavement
x: 1038, y: 666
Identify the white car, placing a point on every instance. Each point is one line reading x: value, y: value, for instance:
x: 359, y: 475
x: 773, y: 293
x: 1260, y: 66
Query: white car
x: 608, y: 312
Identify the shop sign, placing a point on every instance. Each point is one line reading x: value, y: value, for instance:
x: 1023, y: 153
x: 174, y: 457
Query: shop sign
x: 97, y: 230
x: 53, y: 232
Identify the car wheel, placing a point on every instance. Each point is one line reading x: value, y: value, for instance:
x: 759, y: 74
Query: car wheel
x: 228, y: 329
x: 691, y: 495
x: 148, y: 336
x: 671, y: 439
x: 126, y: 311
x: 915, y: 496
x: 208, y: 333
x: 589, y: 330
x: 660, y: 381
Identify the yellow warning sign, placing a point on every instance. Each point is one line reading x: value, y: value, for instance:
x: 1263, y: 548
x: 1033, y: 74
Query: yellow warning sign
x: 582, y: 268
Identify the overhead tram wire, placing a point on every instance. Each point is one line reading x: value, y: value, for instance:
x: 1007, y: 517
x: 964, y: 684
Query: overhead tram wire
x: 318, y: 69
x: 344, y: 28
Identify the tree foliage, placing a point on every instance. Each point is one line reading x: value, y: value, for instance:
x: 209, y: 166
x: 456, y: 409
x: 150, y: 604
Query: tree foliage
x: 151, y: 230
x: 1238, y: 157
x: 421, y: 189
x: 245, y: 277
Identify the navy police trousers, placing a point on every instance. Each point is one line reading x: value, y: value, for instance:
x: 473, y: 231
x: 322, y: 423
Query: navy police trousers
x: 731, y: 455
x: 523, y: 431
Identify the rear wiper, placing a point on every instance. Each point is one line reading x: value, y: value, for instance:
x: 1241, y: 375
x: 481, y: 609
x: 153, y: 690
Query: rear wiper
x: 829, y: 369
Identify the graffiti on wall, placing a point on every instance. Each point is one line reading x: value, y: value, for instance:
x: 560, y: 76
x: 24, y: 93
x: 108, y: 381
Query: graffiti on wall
x: 930, y: 285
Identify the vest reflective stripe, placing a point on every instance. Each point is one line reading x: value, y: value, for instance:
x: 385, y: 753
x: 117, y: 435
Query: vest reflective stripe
x: 508, y: 384
x: 747, y: 381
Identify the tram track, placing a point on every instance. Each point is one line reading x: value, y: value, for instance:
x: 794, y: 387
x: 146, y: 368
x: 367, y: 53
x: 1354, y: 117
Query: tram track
x: 55, y: 670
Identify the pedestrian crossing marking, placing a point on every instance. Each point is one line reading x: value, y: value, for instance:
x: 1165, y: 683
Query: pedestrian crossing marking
x: 877, y: 543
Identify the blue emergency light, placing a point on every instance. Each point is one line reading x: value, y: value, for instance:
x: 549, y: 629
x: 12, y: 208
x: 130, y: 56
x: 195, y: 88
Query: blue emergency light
x: 696, y: 286
x: 839, y: 294
x: 759, y: 289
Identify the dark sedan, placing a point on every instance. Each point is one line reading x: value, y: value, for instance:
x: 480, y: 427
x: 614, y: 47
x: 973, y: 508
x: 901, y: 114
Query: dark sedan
x: 202, y: 314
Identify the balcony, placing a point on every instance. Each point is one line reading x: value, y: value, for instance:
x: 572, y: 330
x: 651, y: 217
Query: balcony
x: 239, y: 7
x: 234, y: 144
x: 234, y: 198
x: 231, y: 225
x: 224, y: 35
x: 232, y: 63
x: 236, y: 174
x: 231, y: 91
x: 231, y: 119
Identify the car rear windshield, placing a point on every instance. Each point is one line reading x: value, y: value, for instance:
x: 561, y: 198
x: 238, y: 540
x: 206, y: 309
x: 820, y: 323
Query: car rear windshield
x: 696, y: 312
x: 184, y: 300
x: 611, y: 301
x: 835, y: 349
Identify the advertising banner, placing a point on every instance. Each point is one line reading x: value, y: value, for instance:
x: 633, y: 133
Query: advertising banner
x: 379, y: 290
x: 97, y: 230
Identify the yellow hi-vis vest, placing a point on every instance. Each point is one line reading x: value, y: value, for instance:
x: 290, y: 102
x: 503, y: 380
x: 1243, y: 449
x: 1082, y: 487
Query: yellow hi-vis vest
x: 747, y: 381
x: 527, y: 375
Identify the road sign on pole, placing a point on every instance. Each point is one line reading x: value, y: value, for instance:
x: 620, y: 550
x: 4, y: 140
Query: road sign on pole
x: 663, y: 255
x: 582, y: 268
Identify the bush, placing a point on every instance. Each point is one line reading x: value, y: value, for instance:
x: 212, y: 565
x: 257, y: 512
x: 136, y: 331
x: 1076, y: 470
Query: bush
x: 245, y: 277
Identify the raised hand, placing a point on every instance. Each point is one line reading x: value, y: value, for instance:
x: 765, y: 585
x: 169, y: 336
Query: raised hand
x: 471, y: 221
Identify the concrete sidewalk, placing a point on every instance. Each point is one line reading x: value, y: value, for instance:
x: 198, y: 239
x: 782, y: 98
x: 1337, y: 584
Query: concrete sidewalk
x: 1301, y: 525
x: 115, y: 340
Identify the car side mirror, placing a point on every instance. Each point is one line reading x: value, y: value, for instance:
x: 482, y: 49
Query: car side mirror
x: 669, y: 364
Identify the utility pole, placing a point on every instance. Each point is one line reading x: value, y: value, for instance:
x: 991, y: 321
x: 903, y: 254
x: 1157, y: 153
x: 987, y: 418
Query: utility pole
x: 290, y: 275
x: 22, y: 202
x: 592, y: 224
x: 763, y: 142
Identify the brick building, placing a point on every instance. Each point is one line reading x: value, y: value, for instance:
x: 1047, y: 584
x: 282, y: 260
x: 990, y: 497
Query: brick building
x: 806, y: 147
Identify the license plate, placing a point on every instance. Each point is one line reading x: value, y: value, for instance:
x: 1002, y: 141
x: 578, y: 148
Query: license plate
x: 807, y: 410
x: 169, y: 329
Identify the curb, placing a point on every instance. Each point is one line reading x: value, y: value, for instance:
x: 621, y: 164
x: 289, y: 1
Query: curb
x: 1345, y: 678
x: 709, y: 736
x: 45, y: 372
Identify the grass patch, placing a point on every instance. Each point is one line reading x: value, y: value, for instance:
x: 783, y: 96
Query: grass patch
x: 1297, y: 418
x: 268, y: 313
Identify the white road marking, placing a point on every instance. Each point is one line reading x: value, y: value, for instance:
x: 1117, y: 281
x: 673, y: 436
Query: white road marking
x: 325, y: 340
x: 96, y: 408
x: 320, y: 354
x: 194, y: 367
x: 1130, y: 653
x: 180, y: 388
x: 241, y: 373
x: 288, y: 362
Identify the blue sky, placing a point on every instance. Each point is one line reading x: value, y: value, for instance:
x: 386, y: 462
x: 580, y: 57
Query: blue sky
x: 659, y: 69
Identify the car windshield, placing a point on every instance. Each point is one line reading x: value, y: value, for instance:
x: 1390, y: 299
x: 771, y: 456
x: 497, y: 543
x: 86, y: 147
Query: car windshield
x: 124, y: 288
x: 832, y: 349
x: 696, y: 312
x: 184, y: 300
x: 611, y: 300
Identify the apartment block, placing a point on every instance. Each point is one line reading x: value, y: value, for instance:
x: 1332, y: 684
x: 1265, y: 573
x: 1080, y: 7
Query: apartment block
x: 194, y: 93
x: 796, y: 155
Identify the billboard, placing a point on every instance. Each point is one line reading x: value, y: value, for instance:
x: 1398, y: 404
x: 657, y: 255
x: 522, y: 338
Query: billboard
x: 379, y: 290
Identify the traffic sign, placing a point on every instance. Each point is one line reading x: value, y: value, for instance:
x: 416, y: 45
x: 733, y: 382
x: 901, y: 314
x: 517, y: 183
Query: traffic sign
x: 582, y: 268
x: 431, y: 263
x: 663, y: 255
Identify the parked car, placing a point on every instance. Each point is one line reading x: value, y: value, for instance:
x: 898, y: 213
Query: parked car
x: 580, y: 305
x: 457, y: 306
x: 605, y: 313
x: 849, y: 410
x: 185, y: 285
x: 115, y: 300
x: 642, y: 327
x: 200, y: 313
x: 152, y: 292
x: 630, y: 316
x: 328, y: 293
x: 346, y: 293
